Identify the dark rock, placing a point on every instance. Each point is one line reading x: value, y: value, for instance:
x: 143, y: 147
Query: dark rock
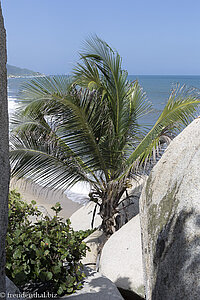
x: 4, y: 154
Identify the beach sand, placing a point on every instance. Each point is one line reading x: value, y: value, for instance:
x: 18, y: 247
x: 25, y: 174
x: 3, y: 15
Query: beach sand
x: 45, y: 197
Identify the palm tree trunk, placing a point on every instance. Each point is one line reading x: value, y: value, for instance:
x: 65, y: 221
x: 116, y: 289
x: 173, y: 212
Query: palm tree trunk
x: 108, y: 207
x: 4, y: 155
x: 107, y: 213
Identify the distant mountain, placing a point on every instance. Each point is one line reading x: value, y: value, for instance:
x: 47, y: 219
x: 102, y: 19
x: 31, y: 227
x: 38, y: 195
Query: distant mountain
x: 13, y: 71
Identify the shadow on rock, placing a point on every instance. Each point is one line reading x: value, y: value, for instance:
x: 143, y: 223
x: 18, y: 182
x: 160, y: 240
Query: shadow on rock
x: 126, y: 294
x: 177, y: 259
x: 96, y: 286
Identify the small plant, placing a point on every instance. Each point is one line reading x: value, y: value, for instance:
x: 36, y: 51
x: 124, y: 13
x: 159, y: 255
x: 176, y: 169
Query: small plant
x: 46, y: 251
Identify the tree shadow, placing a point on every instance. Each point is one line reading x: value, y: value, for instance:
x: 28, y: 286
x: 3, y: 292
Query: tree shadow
x: 127, y: 294
x: 177, y: 259
x: 96, y: 286
x: 101, y: 288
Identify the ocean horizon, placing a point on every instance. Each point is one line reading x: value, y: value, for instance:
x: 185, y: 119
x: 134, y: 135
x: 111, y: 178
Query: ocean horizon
x: 156, y: 87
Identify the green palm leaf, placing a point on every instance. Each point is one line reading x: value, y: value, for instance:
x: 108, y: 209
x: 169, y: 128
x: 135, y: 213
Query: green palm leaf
x: 180, y: 109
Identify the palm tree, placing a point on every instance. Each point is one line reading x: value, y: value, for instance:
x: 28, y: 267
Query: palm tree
x: 86, y: 128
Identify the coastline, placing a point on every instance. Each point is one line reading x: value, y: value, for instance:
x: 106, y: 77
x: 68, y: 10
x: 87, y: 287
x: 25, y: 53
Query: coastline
x: 24, y: 76
x: 45, y: 197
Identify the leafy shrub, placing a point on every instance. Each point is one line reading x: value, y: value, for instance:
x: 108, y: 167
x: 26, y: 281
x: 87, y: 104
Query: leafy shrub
x: 46, y: 251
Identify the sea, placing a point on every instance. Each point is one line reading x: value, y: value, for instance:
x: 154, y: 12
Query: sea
x: 156, y: 87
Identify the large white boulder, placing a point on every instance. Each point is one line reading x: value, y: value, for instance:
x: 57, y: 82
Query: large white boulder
x: 96, y: 286
x: 121, y: 258
x: 129, y: 208
x: 95, y: 242
x: 170, y: 220
x: 82, y: 218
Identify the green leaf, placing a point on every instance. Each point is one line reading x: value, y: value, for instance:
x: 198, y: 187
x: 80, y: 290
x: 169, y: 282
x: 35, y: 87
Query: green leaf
x: 60, y: 290
x: 33, y: 246
x: 39, y: 234
x: 49, y: 275
x: 56, y: 269
x: 68, y: 221
x: 26, y: 243
x: 46, y: 252
x: 8, y: 266
x: 17, y: 254
x: 9, y: 240
x: 70, y: 290
x: 17, y: 232
x: 23, y: 236
x: 39, y: 253
x: 33, y: 262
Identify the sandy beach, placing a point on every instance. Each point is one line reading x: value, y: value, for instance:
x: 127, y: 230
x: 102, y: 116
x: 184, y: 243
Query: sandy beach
x: 45, y: 197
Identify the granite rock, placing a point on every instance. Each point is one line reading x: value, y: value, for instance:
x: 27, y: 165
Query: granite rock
x: 4, y: 152
x: 96, y: 287
x: 95, y: 242
x: 170, y: 220
x: 121, y: 258
x: 82, y: 218
x: 12, y: 292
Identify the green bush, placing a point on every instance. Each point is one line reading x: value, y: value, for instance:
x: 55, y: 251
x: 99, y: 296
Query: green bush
x: 46, y: 251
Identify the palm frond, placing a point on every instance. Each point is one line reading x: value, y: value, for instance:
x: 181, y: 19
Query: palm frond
x: 43, y: 87
x: 124, y: 102
x: 109, y: 76
x: 41, y: 156
x: 180, y: 109
x: 75, y: 120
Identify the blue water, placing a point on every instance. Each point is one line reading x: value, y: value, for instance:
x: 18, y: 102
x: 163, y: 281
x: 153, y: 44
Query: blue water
x: 156, y: 87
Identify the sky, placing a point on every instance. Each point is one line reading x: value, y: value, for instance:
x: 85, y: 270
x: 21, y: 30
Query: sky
x: 153, y: 37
